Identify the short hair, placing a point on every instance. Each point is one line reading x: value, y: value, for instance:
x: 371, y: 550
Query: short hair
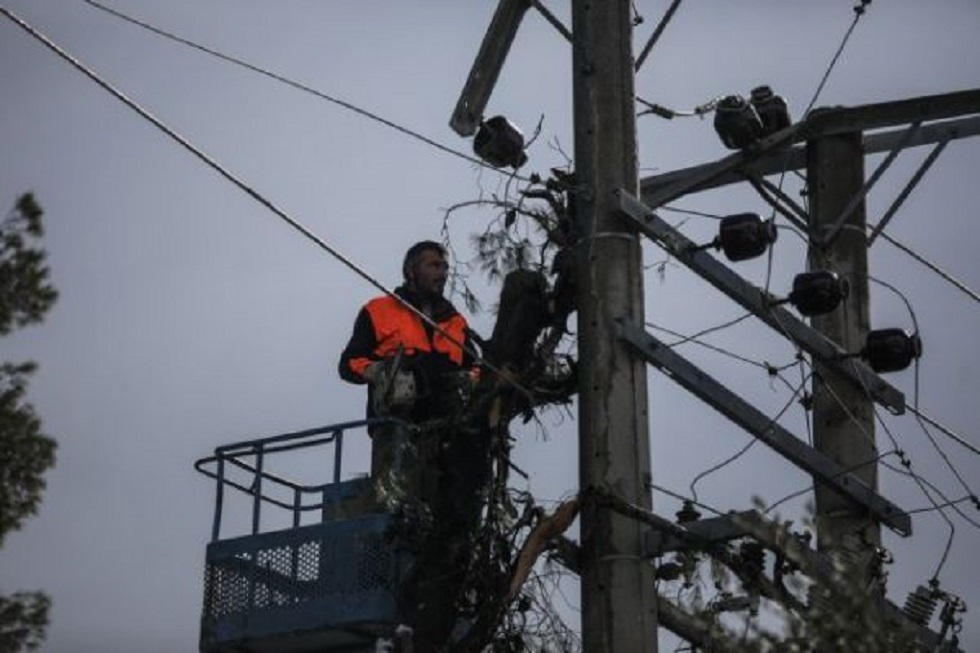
x: 414, y: 254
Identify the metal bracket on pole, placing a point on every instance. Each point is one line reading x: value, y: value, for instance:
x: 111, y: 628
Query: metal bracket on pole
x: 773, y: 194
x: 826, y: 239
x: 553, y: 20
x: 760, y: 303
x: 822, y: 468
x: 486, y: 68
x: 909, y: 187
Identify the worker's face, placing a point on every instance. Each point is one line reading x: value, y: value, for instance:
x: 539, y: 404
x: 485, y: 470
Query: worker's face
x: 430, y: 273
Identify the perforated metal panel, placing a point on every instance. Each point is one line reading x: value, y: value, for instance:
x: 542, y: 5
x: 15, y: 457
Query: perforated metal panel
x: 337, y: 577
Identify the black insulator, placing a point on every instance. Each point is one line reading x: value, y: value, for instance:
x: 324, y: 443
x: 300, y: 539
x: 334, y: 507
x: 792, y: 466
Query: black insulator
x: 737, y: 122
x: 891, y: 350
x: 818, y: 292
x: 771, y: 108
x: 920, y: 605
x: 745, y: 235
x: 500, y: 143
x: 687, y: 513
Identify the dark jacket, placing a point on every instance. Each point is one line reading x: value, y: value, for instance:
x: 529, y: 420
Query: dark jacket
x: 384, y: 324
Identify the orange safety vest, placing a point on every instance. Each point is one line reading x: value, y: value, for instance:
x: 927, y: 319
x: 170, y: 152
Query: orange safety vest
x: 395, y: 325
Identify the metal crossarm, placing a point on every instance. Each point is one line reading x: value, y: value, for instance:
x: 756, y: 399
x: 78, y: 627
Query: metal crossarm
x: 711, y: 530
x: 822, y: 468
x: 489, y: 62
x: 760, y: 303
x: 771, y: 156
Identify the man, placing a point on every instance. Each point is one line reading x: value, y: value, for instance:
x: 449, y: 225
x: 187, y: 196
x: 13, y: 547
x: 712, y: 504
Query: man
x: 413, y: 371
x: 443, y: 464
x: 387, y: 333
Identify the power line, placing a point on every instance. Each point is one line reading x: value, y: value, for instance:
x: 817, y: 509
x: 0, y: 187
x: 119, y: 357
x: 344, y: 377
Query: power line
x: 751, y: 443
x: 948, y: 503
x: 858, y: 12
x: 719, y: 327
x: 935, y: 445
x: 921, y: 482
x: 241, y: 185
x: 922, y: 425
x: 945, y: 430
x: 700, y: 214
x: 932, y: 266
x: 681, y: 497
x: 294, y: 84
x: 954, y: 505
x: 848, y: 470
x: 769, y: 368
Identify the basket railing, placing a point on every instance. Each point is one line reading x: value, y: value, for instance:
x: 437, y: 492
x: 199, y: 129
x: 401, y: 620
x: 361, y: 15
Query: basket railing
x: 252, y: 458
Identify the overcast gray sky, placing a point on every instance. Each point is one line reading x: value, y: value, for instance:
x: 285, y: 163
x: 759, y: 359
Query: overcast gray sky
x: 190, y: 316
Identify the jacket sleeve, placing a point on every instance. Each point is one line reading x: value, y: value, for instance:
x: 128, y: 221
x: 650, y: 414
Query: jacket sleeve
x: 359, y: 352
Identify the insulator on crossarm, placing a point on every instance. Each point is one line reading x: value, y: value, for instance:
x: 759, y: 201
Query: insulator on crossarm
x: 687, y: 513
x: 920, y: 605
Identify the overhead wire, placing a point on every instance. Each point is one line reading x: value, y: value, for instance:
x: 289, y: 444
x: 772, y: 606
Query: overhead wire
x: 724, y: 325
x: 945, y: 430
x: 296, y: 85
x: 939, y: 450
x: 859, y: 11
x: 842, y: 472
x: 945, y: 504
x: 685, y: 499
x: 921, y: 483
x: 700, y: 214
x: 772, y: 370
x: 953, y: 505
x: 255, y: 195
x: 916, y: 385
x: 956, y: 283
x: 773, y: 420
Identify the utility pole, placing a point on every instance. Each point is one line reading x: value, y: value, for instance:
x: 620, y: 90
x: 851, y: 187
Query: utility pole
x: 843, y: 414
x: 619, y: 611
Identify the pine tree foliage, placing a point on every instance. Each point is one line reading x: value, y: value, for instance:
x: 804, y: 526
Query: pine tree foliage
x: 23, y: 618
x: 26, y: 452
x: 25, y: 293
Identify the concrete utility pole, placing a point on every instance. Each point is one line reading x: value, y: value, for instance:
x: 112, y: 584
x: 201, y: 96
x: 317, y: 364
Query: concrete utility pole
x: 619, y: 610
x: 843, y: 414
